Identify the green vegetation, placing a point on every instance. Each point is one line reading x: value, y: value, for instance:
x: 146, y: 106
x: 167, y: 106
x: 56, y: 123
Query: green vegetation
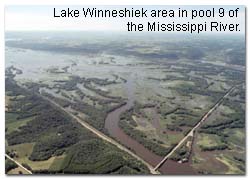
x: 223, y: 135
x: 96, y: 115
x: 172, y: 80
x: 9, y: 165
x: 103, y: 160
x: 128, y: 125
x: 183, y: 153
x: 210, y: 142
x: 54, y: 135
x: 235, y: 166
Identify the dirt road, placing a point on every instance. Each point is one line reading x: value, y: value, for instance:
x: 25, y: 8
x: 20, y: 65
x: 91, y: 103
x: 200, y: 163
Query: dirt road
x: 101, y: 135
x: 20, y: 165
x: 191, y: 132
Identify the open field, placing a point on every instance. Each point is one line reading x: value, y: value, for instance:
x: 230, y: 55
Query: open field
x: 61, y: 146
x: 223, y: 137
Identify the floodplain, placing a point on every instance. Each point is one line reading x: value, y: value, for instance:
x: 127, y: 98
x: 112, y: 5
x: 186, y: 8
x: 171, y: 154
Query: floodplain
x: 89, y: 103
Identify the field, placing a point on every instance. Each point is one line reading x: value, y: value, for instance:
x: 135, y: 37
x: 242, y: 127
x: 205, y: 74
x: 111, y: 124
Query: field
x: 146, y: 95
x: 51, y: 142
x: 223, y: 136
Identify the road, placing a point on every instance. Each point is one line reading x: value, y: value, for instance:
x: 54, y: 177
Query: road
x: 101, y: 135
x: 20, y: 165
x: 191, y: 132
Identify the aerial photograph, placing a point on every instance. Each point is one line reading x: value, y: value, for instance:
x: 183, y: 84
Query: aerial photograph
x: 115, y: 102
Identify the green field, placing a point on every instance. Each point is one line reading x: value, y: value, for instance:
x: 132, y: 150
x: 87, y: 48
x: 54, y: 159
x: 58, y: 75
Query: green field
x: 154, y: 90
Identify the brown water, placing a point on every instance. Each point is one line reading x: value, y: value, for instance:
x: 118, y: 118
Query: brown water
x: 174, y: 168
x: 111, y: 124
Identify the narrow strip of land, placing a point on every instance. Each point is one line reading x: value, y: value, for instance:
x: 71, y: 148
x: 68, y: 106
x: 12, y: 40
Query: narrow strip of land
x: 191, y: 132
x: 17, y: 163
x: 101, y: 135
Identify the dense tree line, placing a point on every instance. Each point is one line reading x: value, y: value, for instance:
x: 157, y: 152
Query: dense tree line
x: 232, y: 120
x: 55, y: 133
x: 181, y: 154
x: 128, y: 126
x: 50, y: 128
x: 9, y: 165
x: 82, y: 159
x: 213, y: 148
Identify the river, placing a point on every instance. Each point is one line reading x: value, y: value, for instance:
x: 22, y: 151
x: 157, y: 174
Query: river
x: 112, y: 125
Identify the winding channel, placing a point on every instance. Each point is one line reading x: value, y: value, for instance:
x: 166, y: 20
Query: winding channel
x: 112, y: 125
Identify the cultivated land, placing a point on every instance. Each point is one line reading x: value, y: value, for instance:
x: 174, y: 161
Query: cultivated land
x: 119, y: 104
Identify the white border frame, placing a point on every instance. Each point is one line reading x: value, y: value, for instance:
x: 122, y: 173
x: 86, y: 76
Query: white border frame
x: 3, y: 3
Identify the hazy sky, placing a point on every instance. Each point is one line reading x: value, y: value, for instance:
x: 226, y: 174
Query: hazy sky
x: 41, y: 18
